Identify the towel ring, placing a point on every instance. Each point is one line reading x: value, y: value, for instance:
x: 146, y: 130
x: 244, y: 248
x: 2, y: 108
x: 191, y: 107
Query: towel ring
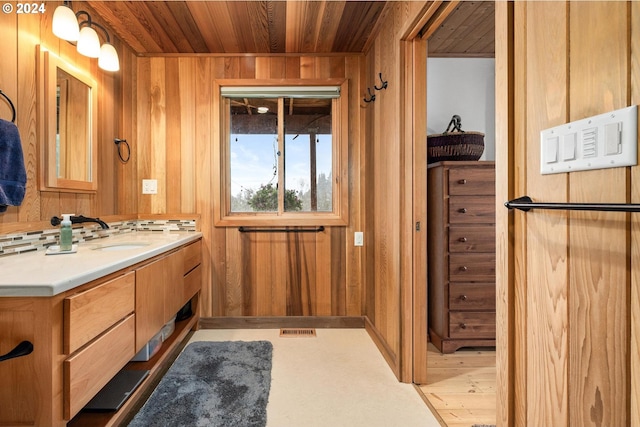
x: 13, y: 108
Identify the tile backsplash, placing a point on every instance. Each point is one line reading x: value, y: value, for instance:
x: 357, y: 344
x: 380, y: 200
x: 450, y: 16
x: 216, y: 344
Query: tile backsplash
x: 19, y: 243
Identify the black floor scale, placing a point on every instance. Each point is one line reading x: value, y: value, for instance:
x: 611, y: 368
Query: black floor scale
x: 117, y: 391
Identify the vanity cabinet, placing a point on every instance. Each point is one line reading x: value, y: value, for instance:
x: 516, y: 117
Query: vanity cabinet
x: 160, y: 290
x: 83, y: 337
x: 461, y: 254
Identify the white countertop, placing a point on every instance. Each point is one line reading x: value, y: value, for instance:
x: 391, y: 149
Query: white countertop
x: 36, y: 274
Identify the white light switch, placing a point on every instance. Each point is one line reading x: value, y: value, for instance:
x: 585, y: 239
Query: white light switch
x: 569, y: 147
x: 358, y: 238
x: 612, y: 138
x: 607, y: 140
x: 149, y: 186
x: 551, y: 148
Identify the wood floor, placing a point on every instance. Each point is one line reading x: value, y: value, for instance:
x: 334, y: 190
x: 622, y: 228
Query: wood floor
x: 462, y: 386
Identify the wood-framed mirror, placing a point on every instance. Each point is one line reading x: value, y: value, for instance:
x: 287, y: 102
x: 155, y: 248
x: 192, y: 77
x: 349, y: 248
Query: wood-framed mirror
x: 68, y: 106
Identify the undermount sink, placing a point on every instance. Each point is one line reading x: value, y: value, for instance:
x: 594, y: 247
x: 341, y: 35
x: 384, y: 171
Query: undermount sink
x: 121, y: 246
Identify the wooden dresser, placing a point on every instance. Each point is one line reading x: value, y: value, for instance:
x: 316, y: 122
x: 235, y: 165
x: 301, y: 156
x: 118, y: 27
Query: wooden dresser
x: 461, y: 254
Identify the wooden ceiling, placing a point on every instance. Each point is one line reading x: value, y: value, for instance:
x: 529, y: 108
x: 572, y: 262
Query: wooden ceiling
x: 469, y: 31
x: 151, y: 27
x: 275, y: 26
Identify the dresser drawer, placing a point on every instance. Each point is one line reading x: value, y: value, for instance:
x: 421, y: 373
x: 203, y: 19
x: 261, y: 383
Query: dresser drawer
x: 470, y: 324
x: 87, y: 314
x: 472, y: 296
x: 472, y: 239
x: 90, y: 369
x: 472, y: 210
x: 472, y: 182
x: 472, y: 267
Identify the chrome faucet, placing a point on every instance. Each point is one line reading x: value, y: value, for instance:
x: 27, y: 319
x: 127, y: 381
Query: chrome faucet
x: 80, y: 219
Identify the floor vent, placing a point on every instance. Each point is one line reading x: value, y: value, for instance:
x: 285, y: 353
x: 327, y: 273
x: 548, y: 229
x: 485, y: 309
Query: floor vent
x: 297, y: 332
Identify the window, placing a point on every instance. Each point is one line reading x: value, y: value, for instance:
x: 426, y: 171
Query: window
x: 283, y: 155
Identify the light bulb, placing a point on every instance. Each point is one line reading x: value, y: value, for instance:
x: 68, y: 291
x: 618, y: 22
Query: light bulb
x: 88, y: 43
x: 108, y: 59
x: 65, y: 24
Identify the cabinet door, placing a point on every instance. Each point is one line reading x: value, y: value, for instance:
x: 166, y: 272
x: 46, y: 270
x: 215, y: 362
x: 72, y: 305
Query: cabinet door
x: 173, y: 284
x: 149, y: 301
x: 159, y: 295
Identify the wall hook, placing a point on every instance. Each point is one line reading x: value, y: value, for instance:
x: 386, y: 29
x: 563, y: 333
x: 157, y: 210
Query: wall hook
x: 372, y: 97
x: 384, y: 83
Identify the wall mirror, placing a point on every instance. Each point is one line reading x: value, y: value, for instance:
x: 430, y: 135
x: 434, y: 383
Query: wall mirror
x: 69, y: 109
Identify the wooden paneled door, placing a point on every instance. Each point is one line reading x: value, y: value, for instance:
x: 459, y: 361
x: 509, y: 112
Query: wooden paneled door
x: 567, y: 282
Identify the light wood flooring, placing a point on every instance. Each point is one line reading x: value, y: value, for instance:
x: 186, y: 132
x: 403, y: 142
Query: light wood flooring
x: 462, y: 386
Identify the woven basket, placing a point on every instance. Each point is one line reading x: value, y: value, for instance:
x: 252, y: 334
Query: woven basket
x: 455, y: 146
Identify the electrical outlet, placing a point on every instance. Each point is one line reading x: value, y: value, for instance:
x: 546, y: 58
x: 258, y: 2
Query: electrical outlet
x: 149, y: 186
x: 358, y: 238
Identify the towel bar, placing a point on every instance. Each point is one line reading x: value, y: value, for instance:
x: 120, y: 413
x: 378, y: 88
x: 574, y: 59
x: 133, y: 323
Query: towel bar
x: 281, y: 230
x: 525, y: 203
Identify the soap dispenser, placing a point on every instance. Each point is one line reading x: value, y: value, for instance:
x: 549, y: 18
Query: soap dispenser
x: 66, y: 237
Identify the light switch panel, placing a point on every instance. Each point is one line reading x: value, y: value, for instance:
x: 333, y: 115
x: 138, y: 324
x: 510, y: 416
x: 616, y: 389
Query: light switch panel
x: 149, y: 186
x: 607, y: 140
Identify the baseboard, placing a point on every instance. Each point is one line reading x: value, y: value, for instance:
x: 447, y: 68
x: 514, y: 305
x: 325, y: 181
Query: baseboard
x: 384, y: 348
x: 276, y: 322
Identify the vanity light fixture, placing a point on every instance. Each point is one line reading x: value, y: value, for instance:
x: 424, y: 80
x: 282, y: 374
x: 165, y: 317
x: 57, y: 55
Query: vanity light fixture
x: 65, y: 25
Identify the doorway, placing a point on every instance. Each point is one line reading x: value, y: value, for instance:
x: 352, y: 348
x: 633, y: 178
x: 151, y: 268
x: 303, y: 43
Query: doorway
x: 460, y: 79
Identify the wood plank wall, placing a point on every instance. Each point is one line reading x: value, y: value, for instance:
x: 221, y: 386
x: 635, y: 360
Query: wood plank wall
x: 574, y: 290
x: 20, y: 34
x: 264, y: 274
x: 392, y: 262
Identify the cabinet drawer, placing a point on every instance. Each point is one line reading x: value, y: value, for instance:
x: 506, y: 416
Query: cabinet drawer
x: 89, y: 313
x: 472, y: 210
x: 472, y: 239
x: 192, y: 256
x: 472, y: 182
x: 90, y: 369
x: 472, y: 296
x: 472, y: 267
x: 192, y: 283
x: 469, y: 324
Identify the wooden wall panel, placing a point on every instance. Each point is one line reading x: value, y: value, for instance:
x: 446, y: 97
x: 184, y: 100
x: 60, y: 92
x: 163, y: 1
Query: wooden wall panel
x: 547, y: 235
x: 250, y: 274
x: 21, y: 33
x: 599, y: 246
x: 573, y: 351
x: 390, y: 190
x: 635, y: 230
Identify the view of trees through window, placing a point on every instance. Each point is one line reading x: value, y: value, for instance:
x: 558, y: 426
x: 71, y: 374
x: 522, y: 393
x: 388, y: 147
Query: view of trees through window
x: 305, y: 154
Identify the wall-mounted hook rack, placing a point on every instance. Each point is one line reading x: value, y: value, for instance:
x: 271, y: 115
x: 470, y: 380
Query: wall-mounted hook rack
x: 384, y: 83
x: 372, y: 96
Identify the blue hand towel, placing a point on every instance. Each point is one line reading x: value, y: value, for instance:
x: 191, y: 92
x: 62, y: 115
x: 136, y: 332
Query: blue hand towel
x: 13, y: 176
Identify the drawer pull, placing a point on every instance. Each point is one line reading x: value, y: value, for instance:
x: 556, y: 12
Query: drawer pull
x: 462, y: 210
x: 462, y: 297
x: 463, y: 268
x: 463, y: 326
x: 462, y: 181
x: 462, y: 239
